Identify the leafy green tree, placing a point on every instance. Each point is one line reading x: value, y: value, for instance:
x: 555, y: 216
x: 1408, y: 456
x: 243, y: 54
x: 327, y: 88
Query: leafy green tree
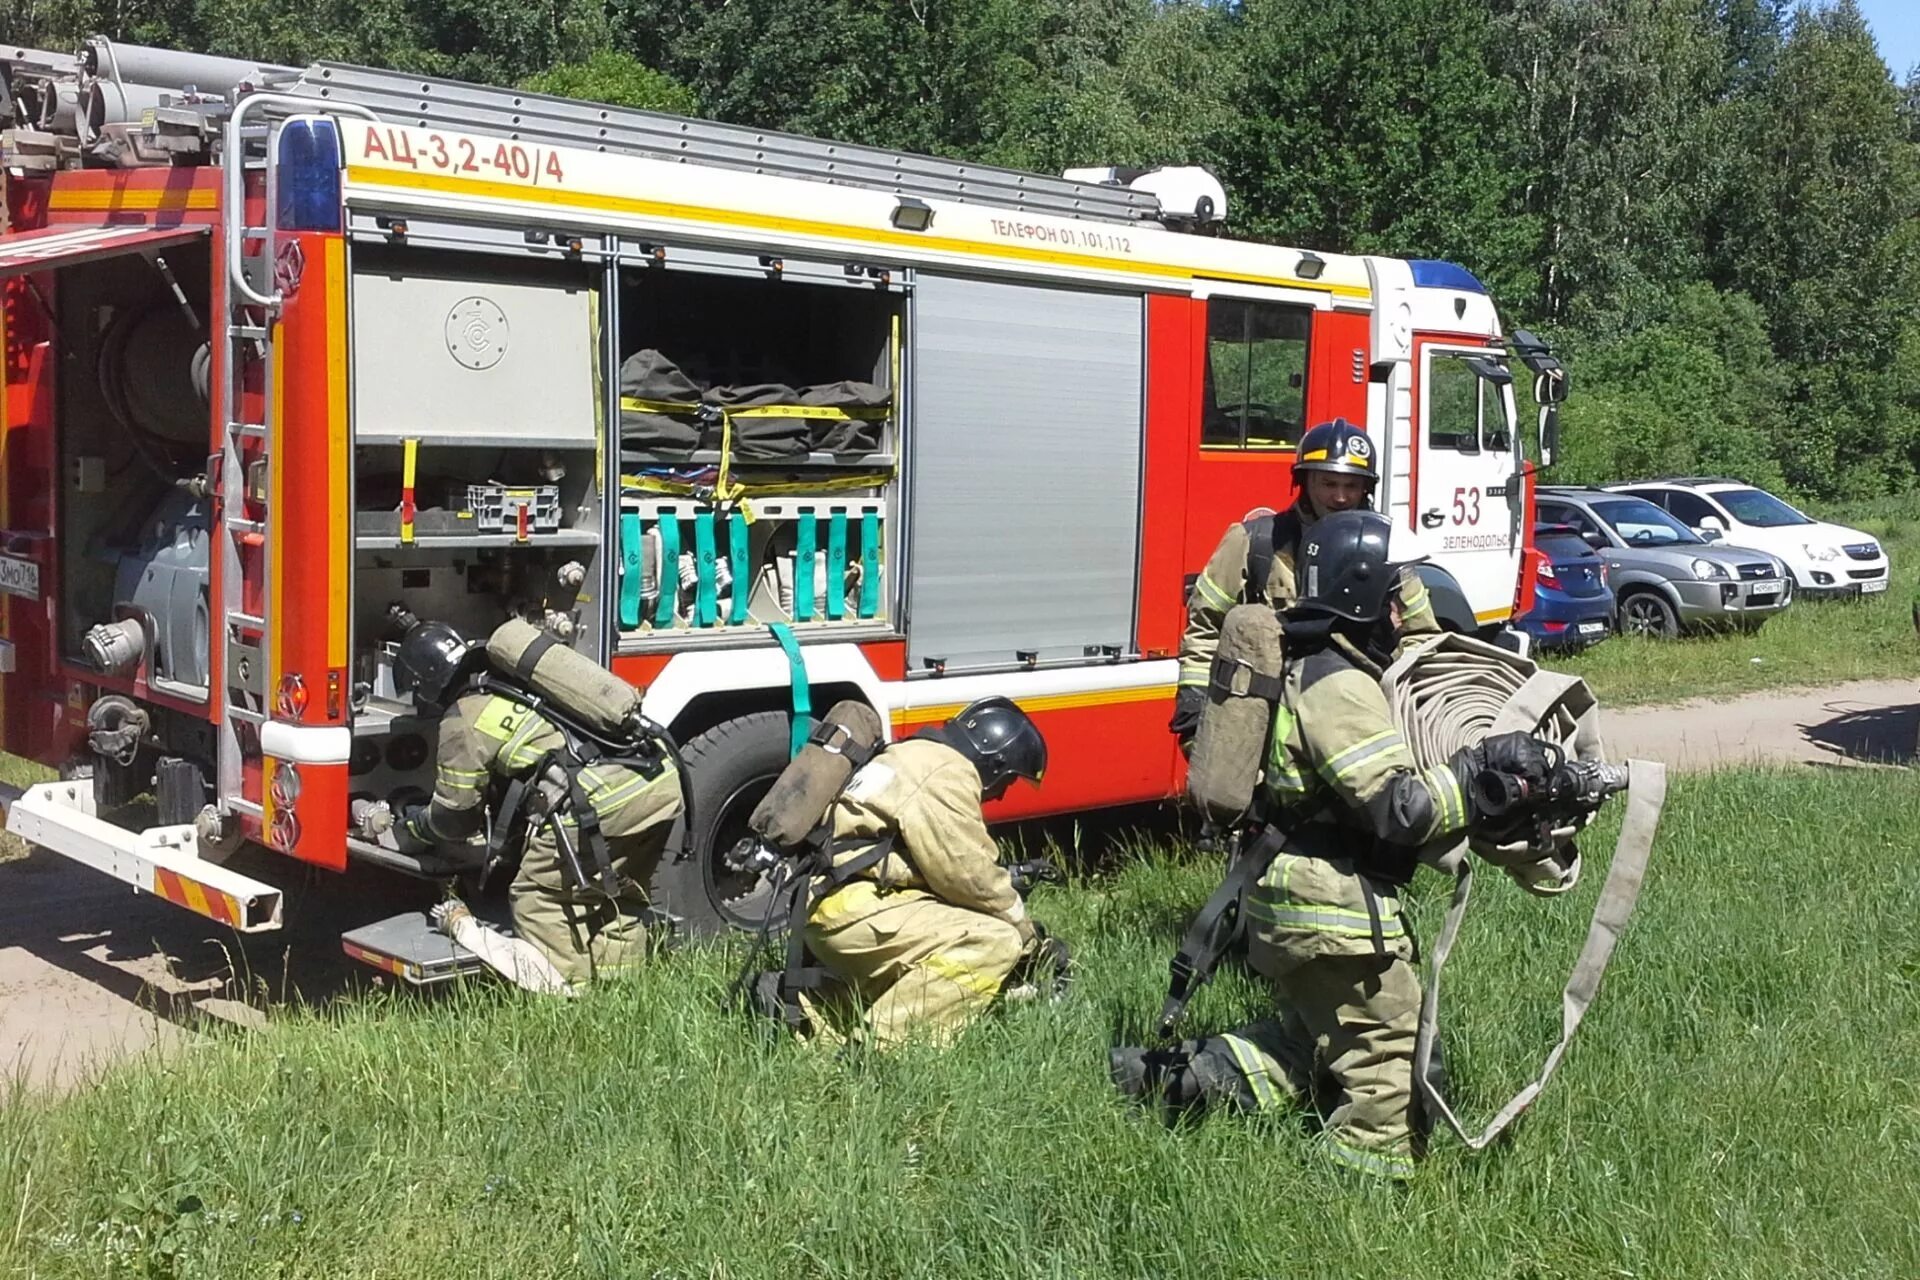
x: 1698, y: 391
x: 618, y: 78
x: 1622, y: 145
x: 1382, y: 126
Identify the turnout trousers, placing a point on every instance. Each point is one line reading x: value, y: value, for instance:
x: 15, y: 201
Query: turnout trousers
x: 586, y: 934
x: 1349, y: 1013
x: 919, y: 965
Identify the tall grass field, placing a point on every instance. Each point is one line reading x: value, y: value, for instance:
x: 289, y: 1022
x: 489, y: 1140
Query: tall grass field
x: 1744, y: 1101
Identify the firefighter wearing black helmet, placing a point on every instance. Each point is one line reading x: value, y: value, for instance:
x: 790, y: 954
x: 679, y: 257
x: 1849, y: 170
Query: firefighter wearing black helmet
x: 1324, y: 919
x: 1337, y: 469
x: 927, y: 936
x: 585, y: 928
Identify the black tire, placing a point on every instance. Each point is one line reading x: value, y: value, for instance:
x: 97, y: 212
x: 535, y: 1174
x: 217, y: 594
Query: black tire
x: 729, y: 768
x: 1648, y: 613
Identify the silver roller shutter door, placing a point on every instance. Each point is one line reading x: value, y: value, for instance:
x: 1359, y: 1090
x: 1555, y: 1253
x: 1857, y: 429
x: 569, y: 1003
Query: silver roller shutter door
x: 1025, y: 453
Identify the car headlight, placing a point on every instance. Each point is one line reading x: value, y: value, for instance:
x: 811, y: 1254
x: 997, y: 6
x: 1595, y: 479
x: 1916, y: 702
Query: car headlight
x: 1817, y: 552
x: 1708, y: 569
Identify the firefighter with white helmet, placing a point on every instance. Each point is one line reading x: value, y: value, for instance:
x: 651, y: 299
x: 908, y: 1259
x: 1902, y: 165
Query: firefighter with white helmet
x: 596, y: 819
x: 1348, y: 811
x: 1337, y: 469
x: 923, y: 925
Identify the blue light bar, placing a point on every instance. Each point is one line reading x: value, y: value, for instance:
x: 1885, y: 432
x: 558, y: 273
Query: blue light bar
x: 1431, y: 273
x: 308, y: 176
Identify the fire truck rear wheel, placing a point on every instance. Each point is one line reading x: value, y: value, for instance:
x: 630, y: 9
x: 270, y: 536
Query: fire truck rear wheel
x: 729, y: 768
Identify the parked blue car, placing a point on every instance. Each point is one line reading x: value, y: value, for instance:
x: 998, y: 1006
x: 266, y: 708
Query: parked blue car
x: 1572, y: 605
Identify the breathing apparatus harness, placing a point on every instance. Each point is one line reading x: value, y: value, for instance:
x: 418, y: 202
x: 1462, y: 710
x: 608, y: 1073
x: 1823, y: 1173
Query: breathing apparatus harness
x: 807, y: 870
x: 552, y: 792
x: 805, y: 873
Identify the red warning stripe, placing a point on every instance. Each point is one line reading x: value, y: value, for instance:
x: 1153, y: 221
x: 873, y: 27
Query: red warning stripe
x: 195, y: 897
x: 399, y: 968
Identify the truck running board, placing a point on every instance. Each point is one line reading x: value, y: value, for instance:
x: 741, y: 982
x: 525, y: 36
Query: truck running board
x: 409, y: 947
x: 163, y: 861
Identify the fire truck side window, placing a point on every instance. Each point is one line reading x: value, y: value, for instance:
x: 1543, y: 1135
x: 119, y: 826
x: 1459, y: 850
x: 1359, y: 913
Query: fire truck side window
x: 1255, y: 390
x: 1453, y: 405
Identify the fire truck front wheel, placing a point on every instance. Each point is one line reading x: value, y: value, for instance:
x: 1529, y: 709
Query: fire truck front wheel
x: 729, y: 768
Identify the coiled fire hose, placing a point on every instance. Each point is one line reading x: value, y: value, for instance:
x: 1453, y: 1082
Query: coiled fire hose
x: 1451, y: 693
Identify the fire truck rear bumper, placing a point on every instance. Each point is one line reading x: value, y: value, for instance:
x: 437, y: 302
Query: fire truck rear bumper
x: 163, y: 861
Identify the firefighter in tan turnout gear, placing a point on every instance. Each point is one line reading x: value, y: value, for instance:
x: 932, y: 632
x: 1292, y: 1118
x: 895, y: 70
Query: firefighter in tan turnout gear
x: 1337, y: 469
x: 918, y: 921
x: 596, y: 803
x: 1347, y: 814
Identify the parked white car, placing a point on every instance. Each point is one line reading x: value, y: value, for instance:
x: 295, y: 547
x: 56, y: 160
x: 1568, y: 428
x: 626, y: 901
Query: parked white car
x: 1826, y: 559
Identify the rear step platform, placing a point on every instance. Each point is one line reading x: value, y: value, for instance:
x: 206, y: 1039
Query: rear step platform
x: 409, y: 947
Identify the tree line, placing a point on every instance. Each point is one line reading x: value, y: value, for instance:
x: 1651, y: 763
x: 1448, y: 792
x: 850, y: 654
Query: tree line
x: 1710, y: 205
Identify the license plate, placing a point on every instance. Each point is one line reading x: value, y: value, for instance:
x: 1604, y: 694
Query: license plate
x: 19, y: 577
x: 1592, y: 628
x: 1878, y: 584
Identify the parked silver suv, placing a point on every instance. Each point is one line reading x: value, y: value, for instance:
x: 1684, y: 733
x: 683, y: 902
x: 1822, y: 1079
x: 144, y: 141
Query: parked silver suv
x: 1665, y: 577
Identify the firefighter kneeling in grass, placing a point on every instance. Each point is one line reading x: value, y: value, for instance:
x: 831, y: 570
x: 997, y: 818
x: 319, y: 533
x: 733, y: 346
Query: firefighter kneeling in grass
x: 906, y: 909
x: 1347, y: 814
x: 594, y: 792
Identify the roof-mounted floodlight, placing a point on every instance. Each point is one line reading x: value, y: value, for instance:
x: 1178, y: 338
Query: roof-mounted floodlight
x: 910, y: 214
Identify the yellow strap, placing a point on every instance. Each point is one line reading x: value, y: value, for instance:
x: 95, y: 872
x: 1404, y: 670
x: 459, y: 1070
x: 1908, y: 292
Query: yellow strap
x: 723, y: 486
x: 657, y: 406
x: 409, y: 455
x: 686, y: 489
x: 875, y: 414
x: 822, y: 412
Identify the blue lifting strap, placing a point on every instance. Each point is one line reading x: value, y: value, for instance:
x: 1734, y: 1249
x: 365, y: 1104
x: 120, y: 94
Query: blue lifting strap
x: 802, y: 692
x: 805, y: 546
x: 669, y: 530
x: 630, y: 571
x: 837, y: 564
x: 737, y: 555
x: 706, y: 563
x: 869, y: 563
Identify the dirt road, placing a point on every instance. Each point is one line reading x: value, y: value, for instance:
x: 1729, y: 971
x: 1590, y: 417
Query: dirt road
x: 90, y: 973
x: 1868, y: 722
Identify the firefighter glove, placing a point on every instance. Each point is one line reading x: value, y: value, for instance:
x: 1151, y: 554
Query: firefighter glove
x: 411, y: 833
x: 1519, y: 754
x: 1187, y: 706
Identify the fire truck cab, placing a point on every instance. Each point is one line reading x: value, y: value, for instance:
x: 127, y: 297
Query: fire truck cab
x: 758, y: 421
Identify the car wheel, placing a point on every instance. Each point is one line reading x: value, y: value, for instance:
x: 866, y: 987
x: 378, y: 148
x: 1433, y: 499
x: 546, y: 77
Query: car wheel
x: 1647, y: 613
x: 729, y: 768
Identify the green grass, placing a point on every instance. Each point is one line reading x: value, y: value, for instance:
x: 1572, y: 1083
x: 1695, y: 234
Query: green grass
x: 1744, y: 1101
x: 1815, y: 642
x: 19, y: 773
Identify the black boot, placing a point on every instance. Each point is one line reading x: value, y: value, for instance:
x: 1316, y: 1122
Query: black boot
x: 1166, y: 1074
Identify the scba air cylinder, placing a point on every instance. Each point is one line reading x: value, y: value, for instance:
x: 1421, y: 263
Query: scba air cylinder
x: 1231, y: 745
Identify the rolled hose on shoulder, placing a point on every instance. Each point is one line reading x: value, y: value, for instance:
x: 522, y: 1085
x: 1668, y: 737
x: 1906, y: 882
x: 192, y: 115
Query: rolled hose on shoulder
x: 1451, y: 693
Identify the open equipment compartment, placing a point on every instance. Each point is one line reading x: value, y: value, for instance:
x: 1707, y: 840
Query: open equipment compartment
x: 760, y: 422
x: 478, y: 414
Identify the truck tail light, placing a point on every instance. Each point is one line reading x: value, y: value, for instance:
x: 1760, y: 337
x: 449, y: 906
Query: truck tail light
x: 285, y: 831
x: 286, y: 786
x: 292, y: 698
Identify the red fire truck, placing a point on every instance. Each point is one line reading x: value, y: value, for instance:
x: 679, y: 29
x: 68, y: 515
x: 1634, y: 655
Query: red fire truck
x: 287, y: 346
